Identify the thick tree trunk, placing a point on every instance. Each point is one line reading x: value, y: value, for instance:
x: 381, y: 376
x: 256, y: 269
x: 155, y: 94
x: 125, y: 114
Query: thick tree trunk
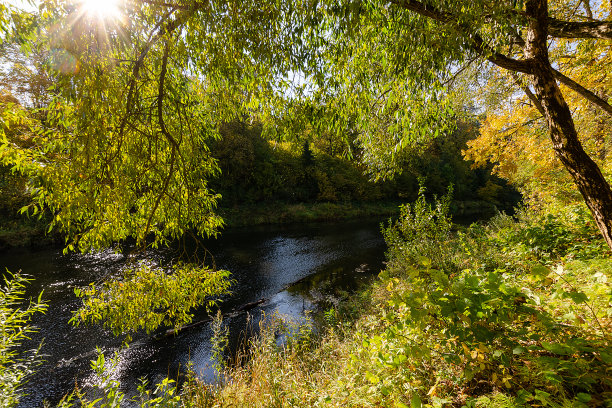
x: 585, y: 172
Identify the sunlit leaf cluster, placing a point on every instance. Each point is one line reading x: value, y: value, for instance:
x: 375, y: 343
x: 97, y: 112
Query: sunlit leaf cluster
x: 148, y: 298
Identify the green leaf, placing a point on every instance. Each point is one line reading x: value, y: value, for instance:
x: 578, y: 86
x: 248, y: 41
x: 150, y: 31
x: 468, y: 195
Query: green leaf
x: 558, y: 348
x: 542, y: 396
x: 415, y: 401
x: 583, y: 397
x: 553, y: 377
x: 372, y: 377
x: 606, y: 357
x: 540, y: 271
x: 578, y: 297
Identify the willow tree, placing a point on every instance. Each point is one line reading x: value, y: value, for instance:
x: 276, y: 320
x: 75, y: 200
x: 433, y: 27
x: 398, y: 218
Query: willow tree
x: 143, y: 85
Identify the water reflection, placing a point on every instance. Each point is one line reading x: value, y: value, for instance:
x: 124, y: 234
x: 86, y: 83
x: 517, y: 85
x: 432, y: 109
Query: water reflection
x: 291, y: 270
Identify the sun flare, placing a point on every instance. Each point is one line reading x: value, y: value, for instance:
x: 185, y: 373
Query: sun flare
x: 101, y: 9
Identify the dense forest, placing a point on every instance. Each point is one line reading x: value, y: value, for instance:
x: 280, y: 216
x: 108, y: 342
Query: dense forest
x: 136, y: 124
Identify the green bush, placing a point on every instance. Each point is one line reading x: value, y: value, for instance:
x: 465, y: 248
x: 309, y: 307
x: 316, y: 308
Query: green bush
x: 421, y: 234
x: 568, y: 233
x: 482, y: 308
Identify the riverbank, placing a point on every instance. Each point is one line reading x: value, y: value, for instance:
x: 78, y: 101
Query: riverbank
x: 32, y: 232
x: 284, y: 269
x: 24, y: 232
x: 284, y: 213
x: 511, y: 314
x: 20, y: 232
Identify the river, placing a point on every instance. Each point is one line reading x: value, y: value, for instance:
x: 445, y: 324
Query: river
x: 266, y: 262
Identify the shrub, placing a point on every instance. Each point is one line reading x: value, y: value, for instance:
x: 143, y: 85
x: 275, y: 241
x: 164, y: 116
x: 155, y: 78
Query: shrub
x: 421, y: 234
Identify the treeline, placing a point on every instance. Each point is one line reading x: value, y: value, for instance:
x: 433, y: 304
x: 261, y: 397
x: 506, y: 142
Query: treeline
x: 257, y: 170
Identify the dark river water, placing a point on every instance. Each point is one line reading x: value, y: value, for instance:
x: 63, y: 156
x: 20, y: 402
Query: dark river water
x: 294, y: 269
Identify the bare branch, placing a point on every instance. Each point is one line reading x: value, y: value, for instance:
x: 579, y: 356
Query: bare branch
x: 587, y: 8
x: 536, y: 102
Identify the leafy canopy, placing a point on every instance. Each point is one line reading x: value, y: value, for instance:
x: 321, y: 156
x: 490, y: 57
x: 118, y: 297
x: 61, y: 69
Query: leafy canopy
x: 122, y: 149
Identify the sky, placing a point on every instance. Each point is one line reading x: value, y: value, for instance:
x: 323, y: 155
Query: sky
x: 22, y: 4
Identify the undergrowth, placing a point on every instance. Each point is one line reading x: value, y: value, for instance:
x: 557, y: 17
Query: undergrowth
x: 514, y: 313
x: 510, y: 314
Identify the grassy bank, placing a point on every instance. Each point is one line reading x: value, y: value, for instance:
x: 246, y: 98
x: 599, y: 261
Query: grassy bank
x: 23, y: 231
x: 282, y: 213
x: 32, y: 232
x: 512, y: 314
x: 26, y: 232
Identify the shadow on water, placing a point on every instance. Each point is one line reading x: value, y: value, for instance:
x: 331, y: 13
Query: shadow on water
x: 284, y: 269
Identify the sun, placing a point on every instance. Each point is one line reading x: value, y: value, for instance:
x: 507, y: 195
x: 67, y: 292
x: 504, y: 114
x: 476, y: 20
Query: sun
x: 100, y: 9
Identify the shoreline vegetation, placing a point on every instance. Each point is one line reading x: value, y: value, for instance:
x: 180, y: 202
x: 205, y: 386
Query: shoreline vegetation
x: 283, y: 213
x: 23, y: 231
x: 513, y: 312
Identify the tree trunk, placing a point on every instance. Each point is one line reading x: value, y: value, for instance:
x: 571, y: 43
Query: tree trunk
x: 585, y: 172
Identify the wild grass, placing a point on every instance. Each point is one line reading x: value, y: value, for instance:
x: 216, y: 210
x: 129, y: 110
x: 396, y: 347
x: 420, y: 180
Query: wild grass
x: 514, y: 313
x: 497, y: 315
x: 282, y: 213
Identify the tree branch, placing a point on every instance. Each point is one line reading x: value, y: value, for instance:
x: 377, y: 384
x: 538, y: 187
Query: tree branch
x: 153, y: 37
x: 189, y: 6
x: 582, y: 91
x: 477, y: 42
x: 582, y: 29
x: 174, y: 144
x: 165, y: 4
x: 499, y: 59
x: 587, y: 8
x: 536, y: 102
x: 160, y: 97
x: 426, y: 10
x: 556, y: 28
